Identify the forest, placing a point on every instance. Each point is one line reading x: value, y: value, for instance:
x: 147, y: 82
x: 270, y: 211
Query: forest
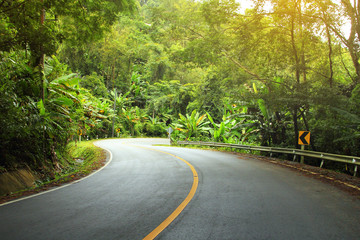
x: 212, y: 70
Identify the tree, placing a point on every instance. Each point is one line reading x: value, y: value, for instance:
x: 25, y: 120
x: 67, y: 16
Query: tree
x: 95, y: 84
x: 349, y: 12
x: 41, y: 25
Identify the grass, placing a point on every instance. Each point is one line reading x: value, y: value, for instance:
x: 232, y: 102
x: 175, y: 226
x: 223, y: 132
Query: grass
x: 80, y: 160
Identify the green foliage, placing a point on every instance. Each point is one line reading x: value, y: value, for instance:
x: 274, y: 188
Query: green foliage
x: 20, y: 123
x: 41, y: 26
x: 167, y: 98
x: 211, y: 94
x: 34, y: 130
x: 192, y: 126
x: 154, y: 128
x: 133, y: 119
x: 83, y: 158
x: 95, y: 84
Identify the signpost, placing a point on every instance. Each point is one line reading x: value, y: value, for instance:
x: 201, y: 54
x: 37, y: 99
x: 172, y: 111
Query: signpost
x: 304, y: 139
x: 79, y: 132
x: 169, y: 131
x: 113, y: 120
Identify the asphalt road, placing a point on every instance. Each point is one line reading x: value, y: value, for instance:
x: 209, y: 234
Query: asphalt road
x: 235, y: 199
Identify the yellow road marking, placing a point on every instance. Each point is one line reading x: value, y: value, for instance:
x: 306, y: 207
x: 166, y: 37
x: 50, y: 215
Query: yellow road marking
x: 182, y: 206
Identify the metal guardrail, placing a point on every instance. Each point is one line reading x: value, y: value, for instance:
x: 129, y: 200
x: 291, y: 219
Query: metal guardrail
x: 296, y: 152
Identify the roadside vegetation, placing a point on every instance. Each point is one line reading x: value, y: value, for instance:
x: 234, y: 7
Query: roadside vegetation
x: 78, y: 160
x: 82, y: 159
x: 208, y: 69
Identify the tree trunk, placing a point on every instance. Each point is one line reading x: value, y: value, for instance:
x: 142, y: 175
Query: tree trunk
x: 296, y: 127
x: 302, y: 50
x: 330, y: 57
x: 355, y: 60
x: 295, y: 53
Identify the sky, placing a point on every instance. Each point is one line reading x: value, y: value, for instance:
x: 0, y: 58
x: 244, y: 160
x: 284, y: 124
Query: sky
x: 244, y: 4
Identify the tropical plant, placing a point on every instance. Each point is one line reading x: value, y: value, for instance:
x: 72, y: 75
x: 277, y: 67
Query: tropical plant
x: 154, y: 127
x: 192, y: 126
x: 133, y: 119
x: 225, y: 131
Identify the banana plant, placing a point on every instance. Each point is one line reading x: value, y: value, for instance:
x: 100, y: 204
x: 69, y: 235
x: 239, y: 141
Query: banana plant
x: 138, y: 89
x: 193, y: 125
x: 218, y: 130
x: 58, y: 101
x: 133, y: 119
x: 264, y: 126
x: 94, y: 115
x: 224, y: 132
x: 122, y: 100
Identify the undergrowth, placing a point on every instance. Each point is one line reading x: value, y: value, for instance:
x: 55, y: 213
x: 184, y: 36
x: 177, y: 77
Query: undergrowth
x: 82, y: 159
x: 79, y: 160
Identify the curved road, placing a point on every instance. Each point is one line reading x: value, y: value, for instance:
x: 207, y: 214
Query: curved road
x: 235, y: 199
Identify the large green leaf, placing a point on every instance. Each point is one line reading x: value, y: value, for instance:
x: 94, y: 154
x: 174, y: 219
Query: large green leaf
x: 263, y: 108
x: 41, y: 107
x: 211, y: 119
x: 67, y: 79
x: 63, y: 101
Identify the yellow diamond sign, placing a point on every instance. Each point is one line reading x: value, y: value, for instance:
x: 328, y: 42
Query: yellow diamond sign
x: 304, y: 138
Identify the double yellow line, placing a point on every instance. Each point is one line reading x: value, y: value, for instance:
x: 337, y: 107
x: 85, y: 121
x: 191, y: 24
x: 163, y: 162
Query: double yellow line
x: 181, y: 207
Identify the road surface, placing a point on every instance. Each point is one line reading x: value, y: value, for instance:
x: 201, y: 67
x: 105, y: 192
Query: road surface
x: 143, y: 185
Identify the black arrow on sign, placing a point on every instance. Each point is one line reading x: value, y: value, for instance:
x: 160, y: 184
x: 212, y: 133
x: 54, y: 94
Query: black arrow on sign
x: 302, y: 138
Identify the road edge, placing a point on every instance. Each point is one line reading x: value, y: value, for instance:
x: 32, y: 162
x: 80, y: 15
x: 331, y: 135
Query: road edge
x: 108, y: 161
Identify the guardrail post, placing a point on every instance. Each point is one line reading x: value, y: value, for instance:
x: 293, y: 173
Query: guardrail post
x: 322, y: 161
x: 294, y: 159
x: 302, y: 156
x: 355, y: 168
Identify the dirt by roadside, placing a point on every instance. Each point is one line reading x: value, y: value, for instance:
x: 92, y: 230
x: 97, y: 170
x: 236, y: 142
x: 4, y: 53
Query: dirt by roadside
x: 60, y: 182
x: 342, y: 181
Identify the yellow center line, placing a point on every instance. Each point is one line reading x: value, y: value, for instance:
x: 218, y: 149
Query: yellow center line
x: 182, y: 206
